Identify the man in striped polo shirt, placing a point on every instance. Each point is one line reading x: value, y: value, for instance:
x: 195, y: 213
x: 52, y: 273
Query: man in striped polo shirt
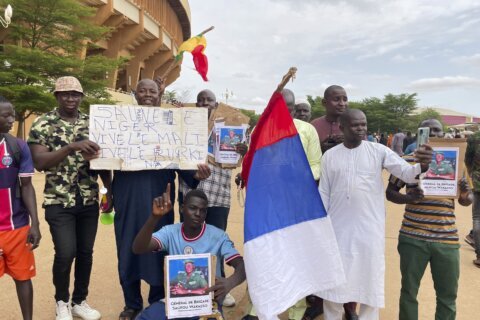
x: 428, y: 235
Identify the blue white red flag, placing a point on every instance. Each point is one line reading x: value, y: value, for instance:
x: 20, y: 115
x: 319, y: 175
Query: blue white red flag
x: 290, y: 249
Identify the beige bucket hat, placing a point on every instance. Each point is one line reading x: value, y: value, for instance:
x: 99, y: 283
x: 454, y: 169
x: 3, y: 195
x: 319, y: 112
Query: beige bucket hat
x: 68, y: 84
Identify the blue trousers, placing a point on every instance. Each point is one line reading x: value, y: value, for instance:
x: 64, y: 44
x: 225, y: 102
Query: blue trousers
x: 156, y: 311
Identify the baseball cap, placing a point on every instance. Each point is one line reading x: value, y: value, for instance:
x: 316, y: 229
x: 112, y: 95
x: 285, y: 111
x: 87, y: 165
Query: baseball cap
x: 68, y: 83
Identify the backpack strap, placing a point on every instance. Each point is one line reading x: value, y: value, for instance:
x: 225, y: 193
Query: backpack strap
x: 16, y: 154
x: 14, y: 147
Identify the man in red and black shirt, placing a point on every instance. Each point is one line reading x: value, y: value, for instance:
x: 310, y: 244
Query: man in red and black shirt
x: 17, y: 209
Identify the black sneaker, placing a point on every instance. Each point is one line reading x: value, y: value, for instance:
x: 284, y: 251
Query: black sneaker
x: 470, y: 241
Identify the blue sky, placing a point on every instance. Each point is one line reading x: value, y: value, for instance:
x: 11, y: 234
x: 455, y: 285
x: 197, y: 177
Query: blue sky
x: 370, y: 47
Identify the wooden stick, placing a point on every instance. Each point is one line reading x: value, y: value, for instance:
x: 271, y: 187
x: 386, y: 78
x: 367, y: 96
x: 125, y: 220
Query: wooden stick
x: 206, y: 30
x: 169, y: 69
x: 290, y: 75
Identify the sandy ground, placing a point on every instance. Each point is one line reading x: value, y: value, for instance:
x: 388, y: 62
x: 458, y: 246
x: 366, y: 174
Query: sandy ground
x: 106, y: 296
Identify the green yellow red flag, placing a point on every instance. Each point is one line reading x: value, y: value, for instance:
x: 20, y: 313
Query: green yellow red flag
x: 196, y: 46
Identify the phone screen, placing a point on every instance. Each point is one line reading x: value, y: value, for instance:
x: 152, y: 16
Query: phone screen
x: 422, y: 136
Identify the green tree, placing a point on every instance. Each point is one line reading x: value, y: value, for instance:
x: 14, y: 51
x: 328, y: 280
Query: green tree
x: 378, y: 118
x: 169, y: 95
x: 46, y: 40
x: 252, y: 115
x: 383, y: 115
x: 401, y: 107
x: 390, y: 113
x: 318, y: 109
x: 428, y: 113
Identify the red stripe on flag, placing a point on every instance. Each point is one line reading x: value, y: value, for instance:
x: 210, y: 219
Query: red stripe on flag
x: 275, y: 124
x: 200, y: 61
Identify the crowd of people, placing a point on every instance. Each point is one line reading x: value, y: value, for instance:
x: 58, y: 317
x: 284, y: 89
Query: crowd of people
x: 346, y: 161
x: 405, y: 142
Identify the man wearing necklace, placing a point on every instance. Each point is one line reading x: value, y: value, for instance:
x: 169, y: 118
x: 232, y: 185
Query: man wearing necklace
x: 335, y: 101
x: 57, y: 141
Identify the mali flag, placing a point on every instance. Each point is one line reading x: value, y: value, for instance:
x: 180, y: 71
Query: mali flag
x: 196, y: 46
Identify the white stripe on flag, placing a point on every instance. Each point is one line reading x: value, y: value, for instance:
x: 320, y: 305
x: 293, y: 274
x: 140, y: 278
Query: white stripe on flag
x: 286, y: 265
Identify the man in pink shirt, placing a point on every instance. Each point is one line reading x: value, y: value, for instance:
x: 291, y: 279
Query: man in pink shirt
x: 335, y: 101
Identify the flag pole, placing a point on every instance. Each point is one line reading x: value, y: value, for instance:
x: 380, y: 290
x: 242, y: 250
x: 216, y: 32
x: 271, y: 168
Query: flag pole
x: 176, y: 62
x: 205, y: 31
x: 290, y: 75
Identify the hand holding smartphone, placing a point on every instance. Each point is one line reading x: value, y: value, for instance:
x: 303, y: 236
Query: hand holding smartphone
x: 422, y: 136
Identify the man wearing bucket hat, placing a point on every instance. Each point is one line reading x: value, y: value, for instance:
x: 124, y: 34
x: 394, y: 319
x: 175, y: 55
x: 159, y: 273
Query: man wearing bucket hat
x: 57, y: 141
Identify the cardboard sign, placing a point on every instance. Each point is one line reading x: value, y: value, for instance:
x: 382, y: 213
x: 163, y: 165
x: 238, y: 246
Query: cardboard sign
x: 460, y: 143
x: 186, y: 279
x: 135, y: 138
x: 227, y: 116
x: 441, y: 179
x: 222, y: 143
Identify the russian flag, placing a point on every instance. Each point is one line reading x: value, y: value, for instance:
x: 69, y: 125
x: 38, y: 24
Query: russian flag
x: 290, y: 249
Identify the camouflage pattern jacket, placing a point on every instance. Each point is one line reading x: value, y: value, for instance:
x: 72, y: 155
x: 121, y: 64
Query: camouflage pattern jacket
x: 73, y: 174
x: 472, y: 159
x: 196, y: 280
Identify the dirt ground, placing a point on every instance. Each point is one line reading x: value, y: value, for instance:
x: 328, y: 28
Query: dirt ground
x: 106, y: 295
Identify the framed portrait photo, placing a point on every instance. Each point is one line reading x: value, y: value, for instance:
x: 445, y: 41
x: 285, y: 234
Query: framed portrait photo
x: 441, y: 178
x: 187, y: 277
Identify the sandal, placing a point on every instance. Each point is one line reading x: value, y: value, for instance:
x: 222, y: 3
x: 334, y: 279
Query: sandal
x: 129, y: 314
x: 314, y: 309
x: 312, y: 312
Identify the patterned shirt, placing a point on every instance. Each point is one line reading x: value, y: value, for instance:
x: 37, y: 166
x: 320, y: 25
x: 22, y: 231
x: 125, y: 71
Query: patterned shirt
x: 217, y: 187
x: 13, y: 214
x: 325, y: 128
x: 472, y: 159
x: 72, y: 176
x: 431, y: 219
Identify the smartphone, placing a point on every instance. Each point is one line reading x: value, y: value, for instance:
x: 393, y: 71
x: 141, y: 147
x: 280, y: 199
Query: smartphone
x: 422, y: 136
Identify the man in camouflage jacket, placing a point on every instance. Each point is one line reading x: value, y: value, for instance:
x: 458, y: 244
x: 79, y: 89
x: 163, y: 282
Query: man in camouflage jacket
x: 472, y: 161
x: 57, y: 141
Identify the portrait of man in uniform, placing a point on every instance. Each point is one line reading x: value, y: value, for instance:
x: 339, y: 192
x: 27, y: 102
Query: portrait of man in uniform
x: 191, y: 280
x: 442, y: 166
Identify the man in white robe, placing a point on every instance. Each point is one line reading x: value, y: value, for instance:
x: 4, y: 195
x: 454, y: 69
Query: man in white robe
x: 353, y: 194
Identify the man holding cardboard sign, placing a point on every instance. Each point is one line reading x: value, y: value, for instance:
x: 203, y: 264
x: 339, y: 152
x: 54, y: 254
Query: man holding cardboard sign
x: 428, y: 235
x: 133, y: 193
x: 218, y: 185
